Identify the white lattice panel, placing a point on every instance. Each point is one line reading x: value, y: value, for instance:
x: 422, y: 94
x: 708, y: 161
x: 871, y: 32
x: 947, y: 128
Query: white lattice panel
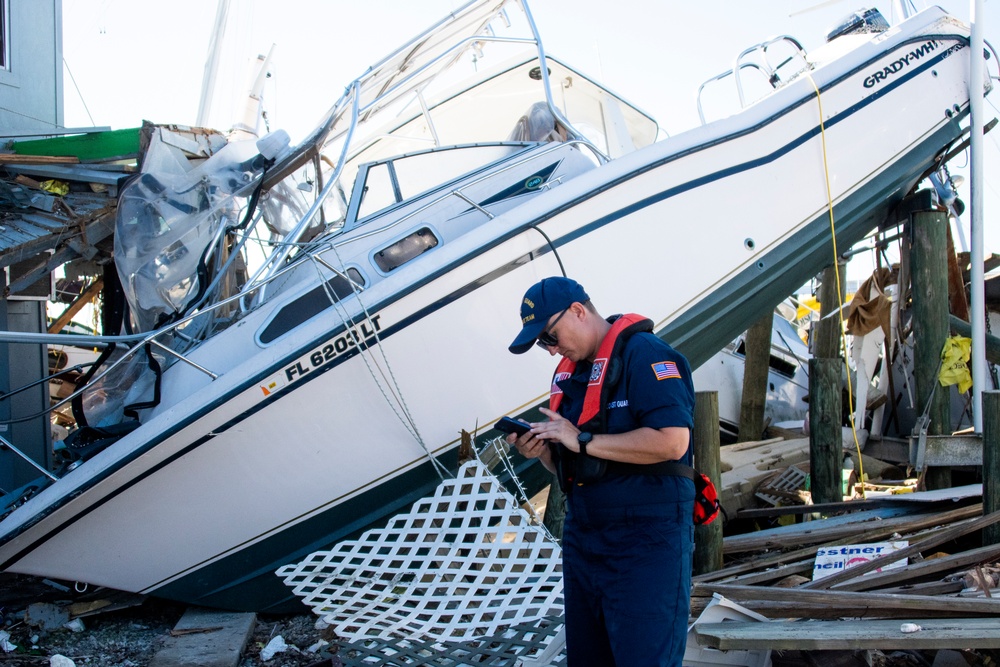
x: 462, y: 564
x: 790, y: 480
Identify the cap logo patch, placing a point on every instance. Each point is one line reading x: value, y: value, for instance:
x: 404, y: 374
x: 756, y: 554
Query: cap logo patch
x: 665, y: 369
x: 525, y: 320
x: 528, y: 302
x: 556, y: 389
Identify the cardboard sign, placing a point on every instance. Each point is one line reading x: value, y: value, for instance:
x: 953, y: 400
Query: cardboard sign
x: 830, y: 560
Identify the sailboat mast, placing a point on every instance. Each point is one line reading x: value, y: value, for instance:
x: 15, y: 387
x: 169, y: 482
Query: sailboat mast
x: 212, y: 63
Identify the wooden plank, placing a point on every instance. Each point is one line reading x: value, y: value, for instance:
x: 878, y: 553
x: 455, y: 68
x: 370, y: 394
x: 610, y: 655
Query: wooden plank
x: 821, y: 508
x: 961, y: 633
x: 805, y: 611
x: 819, y: 532
x: 9, y: 158
x: 853, y: 604
x: 206, y: 638
x: 927, y: 588
x: 804, y: 567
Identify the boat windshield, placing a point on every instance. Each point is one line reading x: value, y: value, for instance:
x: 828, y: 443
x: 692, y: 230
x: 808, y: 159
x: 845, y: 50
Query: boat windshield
x: 410, y: 102
x: 381, y: 185
x: 505, y: 106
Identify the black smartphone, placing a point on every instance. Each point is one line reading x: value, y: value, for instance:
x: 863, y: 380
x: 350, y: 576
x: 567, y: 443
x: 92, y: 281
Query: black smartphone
x: 508, y: 425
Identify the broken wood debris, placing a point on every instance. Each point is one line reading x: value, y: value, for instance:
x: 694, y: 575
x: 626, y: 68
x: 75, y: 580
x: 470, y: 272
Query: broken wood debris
x: 944, y: 587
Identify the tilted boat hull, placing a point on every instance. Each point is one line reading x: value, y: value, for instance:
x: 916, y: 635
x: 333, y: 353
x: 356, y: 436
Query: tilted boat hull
x: 307, y: 439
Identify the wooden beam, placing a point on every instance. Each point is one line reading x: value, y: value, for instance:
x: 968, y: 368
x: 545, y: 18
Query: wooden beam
x: 820, y: 508
x: 814, y: 532
x: 806, y: 611
x: 853, y: 603
x: 705, y: 438
x: 10, y: 158
x: 756, y: 364
x: 961, y: 633
x: 991, y: 460
x: 929, y: 277
x: 86, y: 297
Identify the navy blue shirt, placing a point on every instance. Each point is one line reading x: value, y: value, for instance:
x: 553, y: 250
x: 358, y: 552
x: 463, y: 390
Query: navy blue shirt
x: 655, y: 391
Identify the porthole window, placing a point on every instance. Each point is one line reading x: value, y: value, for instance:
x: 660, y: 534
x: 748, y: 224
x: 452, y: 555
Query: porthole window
x: 405, y: 249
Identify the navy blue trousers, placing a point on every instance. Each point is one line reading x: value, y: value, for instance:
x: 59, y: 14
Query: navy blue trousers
x: 627, y: 573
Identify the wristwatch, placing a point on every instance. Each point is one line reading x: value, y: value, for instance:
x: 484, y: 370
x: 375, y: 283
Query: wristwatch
x: 583, y: 439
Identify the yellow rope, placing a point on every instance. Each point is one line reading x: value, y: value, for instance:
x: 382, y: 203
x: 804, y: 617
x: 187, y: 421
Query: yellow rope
x: 840, y: 292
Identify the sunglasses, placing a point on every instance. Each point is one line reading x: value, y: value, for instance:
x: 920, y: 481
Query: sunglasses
x: 545, y: 339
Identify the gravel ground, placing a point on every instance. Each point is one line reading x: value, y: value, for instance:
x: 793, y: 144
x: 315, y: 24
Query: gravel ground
x: 130, y: 637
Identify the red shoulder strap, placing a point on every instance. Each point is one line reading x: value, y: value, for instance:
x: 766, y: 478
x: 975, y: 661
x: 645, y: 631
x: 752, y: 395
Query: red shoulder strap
x: 592, y: 399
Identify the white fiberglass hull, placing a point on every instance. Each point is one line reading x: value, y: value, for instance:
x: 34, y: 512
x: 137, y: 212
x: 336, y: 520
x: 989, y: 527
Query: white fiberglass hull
x: 304, y: 441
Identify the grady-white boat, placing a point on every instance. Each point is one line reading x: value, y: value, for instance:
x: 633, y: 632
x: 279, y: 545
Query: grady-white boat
x: 260, y: 409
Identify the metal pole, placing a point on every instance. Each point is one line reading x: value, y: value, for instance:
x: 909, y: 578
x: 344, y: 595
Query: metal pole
x: 976, y: 75
x: 6, y: 443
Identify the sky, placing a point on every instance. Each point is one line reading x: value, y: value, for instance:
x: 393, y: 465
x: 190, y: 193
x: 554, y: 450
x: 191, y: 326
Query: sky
x: 129, y: 60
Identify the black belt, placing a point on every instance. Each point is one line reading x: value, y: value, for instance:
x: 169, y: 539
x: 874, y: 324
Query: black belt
x: 619, y: 469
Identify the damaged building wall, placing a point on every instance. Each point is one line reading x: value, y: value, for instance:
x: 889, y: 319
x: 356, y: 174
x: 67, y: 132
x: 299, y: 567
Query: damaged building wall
x: 31, y: 79
x: 31, y: 89
x: 20, y: 365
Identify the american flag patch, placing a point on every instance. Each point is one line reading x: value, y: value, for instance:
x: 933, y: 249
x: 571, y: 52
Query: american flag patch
x: 665, y: 369
x: 556, y: 389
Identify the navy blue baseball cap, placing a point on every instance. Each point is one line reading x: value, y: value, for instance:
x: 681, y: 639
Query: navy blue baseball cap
x: 543, y: 300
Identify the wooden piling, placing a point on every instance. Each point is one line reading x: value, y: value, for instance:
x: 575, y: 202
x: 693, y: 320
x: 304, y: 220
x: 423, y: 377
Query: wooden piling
x: 929, y: 268
x: 991, y: 463
x: 826, y: 451
x: 826, y: 455
x: 757, y: 357
x: 827, y: 334
x: 707, y: 458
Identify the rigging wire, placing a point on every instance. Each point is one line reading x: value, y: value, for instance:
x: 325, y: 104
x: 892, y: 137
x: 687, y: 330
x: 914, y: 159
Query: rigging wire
x: 78, y: 91
x: 390, y: 382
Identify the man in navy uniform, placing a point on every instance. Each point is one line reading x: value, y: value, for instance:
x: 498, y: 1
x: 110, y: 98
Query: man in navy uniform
x: 621, y: 404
